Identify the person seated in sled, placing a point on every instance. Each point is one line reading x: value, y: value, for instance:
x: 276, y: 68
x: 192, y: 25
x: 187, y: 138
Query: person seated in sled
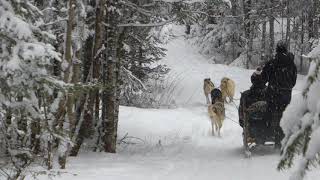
x: 254, y: 94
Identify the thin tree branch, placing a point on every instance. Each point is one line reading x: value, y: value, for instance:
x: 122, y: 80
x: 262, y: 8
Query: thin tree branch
x: 147, y: 25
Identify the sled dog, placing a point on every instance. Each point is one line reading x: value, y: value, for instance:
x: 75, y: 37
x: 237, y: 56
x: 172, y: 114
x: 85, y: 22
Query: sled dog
x: 216, y: 111
x: 208, y: 86
x: 227, y: 87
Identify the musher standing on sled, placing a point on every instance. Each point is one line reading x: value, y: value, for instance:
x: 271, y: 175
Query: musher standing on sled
x: 281, y: 75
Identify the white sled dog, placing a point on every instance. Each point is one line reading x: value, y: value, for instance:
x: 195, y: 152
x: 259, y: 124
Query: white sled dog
x: 208, y: 86
x: 216, y: 111
x: 227, y: 87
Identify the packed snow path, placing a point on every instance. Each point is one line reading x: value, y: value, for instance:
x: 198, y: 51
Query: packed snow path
x: 175, y: 144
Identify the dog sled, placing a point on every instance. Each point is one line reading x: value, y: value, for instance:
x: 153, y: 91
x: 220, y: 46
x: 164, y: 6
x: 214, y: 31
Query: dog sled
x: 256, y: 131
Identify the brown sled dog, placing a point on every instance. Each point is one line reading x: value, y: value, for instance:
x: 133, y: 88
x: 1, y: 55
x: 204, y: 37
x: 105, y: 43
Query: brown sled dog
x: 216, y: 111
x: 208, y: 86
x: 227, y: 87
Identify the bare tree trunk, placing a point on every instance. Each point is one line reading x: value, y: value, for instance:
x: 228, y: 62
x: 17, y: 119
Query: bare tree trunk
x: 87, y: 59
x: 263, y: 42
x: 311, y: 16
x: 247, y: 28
x: 302, y: 42
x: 251, y: 37
x: 48, y: 157
x: 110, y: 123
x: 8, y: 122
x: 63, y: 145
x: 295, y: 34
x: 91, y: 109
x: 35, y: 132
x: 271, y: 31
x: 282, y: 31
x: 120, y: 56
x: 78, y: 104
x: 68, y: 41
x: 288, y: 25
x: 317, y: 21
x: 110, y: 131
x: 98, y: 42
x: 234, y: 33
x: 90, y: 102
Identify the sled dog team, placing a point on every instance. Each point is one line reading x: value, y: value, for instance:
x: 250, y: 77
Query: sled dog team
x: 216, y: 108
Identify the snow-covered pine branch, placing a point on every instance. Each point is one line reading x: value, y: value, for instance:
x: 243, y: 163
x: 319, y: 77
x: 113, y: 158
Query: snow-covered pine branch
x: 26, y: 58
x: 133, y: 78
x: 301, y: 124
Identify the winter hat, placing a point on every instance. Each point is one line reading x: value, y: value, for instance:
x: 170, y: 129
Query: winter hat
x: 256, y: 79
x: 281, y: 46
x: 258, y: 71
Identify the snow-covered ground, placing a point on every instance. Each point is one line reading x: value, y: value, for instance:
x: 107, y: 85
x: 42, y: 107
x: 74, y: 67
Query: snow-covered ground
x: 175, y: 144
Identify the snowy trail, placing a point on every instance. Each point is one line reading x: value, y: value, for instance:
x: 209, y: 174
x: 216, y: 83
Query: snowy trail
x: 177, y: 144
x: 189, y: 67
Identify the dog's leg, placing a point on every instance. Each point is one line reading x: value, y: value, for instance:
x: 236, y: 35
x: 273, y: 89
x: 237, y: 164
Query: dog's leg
x: 207, y: 96
x: 218, y: 128
x: 219, y: 124
x: 212, y: 127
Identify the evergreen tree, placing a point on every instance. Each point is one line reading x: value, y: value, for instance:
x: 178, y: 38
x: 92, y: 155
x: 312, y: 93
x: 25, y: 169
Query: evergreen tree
x: 217, y: 30
x: 301, y: 125
x: 26, y: 62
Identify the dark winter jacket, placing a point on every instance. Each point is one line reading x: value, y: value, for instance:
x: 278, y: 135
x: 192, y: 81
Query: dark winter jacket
x: 257, y: 81
x: 281, y: 75
x: 281, y: 72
